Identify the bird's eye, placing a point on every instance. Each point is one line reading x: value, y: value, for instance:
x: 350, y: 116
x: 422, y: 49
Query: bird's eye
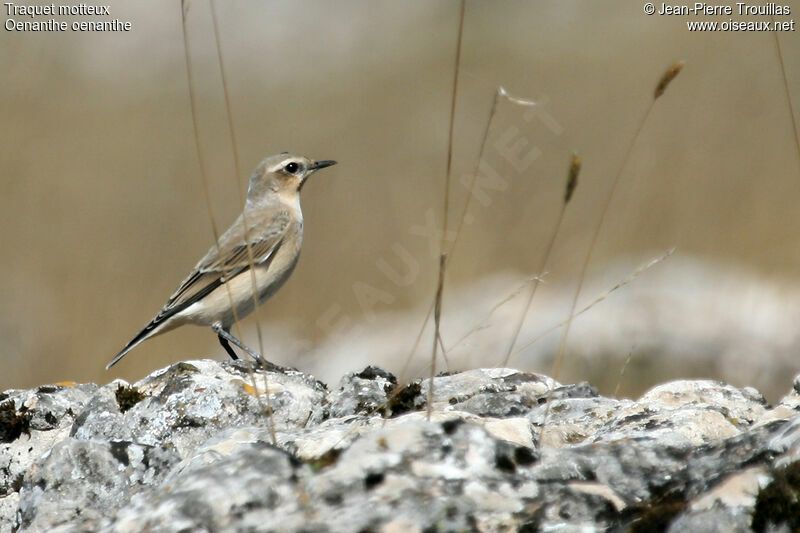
x: 291, y: 168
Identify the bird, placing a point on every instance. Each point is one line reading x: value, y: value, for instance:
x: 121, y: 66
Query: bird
x: 220, y: 288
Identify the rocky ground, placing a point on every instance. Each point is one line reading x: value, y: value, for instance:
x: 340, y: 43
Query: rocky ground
x: 191, y: 448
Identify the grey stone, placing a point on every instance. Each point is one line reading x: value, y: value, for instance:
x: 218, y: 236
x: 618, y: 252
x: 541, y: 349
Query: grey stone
x: 489, y: 391
x: 188, y: 402
x: 364, y: 393
x: 81, y: 483
x: 252, y: 487
x: 32, y: 421
x: 191, y: 447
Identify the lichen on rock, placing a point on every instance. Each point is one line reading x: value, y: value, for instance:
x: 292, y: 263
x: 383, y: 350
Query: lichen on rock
x: 220, y: 446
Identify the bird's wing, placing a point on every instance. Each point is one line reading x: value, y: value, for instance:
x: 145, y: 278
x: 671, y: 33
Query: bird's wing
x: 232, y: 252
x: 229, y: 259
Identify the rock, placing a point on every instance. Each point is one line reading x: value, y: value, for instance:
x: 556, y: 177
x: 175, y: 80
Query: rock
x: 251, y: 487
x: 31, y: 422
x: 364, y: 393
x: 83, y: 482
x: 726, y: 507
x: 495, y: 392
x: 192, y: 447
x: 187, y: 403
x: 690, y: 412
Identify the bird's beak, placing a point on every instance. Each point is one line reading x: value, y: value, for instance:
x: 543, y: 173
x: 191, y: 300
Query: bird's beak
x: 321, y: 164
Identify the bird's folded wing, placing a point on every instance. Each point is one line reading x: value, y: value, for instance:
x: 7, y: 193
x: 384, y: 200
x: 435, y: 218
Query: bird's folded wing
x: 230, y: 258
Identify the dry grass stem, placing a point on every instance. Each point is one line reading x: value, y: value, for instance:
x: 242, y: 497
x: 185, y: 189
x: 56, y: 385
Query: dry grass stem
x: 786, y: 89
x: 635, y: 274
x: 622, y: 372
x: 417, y: 340
x: 499, y: 93
x: 665, y: 80
x: 200, y: 158
x: 437, y: 315
x: 193, y: 106
x: 572, y: 182
x: 446, y: 206
x: 473, y: 179
x: 248, y: 245
x: 470, y: 194
x: 483, y: 323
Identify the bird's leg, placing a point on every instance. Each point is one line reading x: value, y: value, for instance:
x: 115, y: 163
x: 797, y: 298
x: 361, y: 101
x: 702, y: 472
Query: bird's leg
x: 224, y: 342
x: 225, y: 337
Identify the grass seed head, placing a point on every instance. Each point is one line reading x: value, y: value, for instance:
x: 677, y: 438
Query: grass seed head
x: 572, y: 178
x: 668, y: 76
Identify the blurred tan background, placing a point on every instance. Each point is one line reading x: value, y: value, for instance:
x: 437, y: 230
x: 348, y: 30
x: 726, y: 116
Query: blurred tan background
x: 103, y: 213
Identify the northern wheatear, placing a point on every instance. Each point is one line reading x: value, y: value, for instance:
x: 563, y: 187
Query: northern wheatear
x: 220, y: 288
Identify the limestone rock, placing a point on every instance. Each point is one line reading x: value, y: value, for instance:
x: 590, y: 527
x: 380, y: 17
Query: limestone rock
x: 193, y: 447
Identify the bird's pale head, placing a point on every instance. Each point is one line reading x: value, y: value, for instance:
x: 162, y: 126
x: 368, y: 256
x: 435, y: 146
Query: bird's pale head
x: 282, y: 176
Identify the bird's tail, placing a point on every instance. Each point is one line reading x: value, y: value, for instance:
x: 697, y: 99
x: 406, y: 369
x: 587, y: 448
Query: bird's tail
x: 150, y: 330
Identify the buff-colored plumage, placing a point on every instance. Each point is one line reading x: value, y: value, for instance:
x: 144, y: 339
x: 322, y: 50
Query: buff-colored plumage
x: 226, y: 279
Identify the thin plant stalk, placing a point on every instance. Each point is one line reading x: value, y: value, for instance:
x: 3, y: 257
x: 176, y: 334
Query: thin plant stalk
x: 464, y: 211
x: 200, y: 158
x: 665, y: 80
x: 572, y: 181
x: 499, y: 93
x: 786, y: 89
x: 417, y: 340
x: 662, y: 85
x: 242, y: 199
x: 635, y: 274
x: 622, y: 372
x: 482, y: 323
x: 437, y: 313
x: 445, y: 208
